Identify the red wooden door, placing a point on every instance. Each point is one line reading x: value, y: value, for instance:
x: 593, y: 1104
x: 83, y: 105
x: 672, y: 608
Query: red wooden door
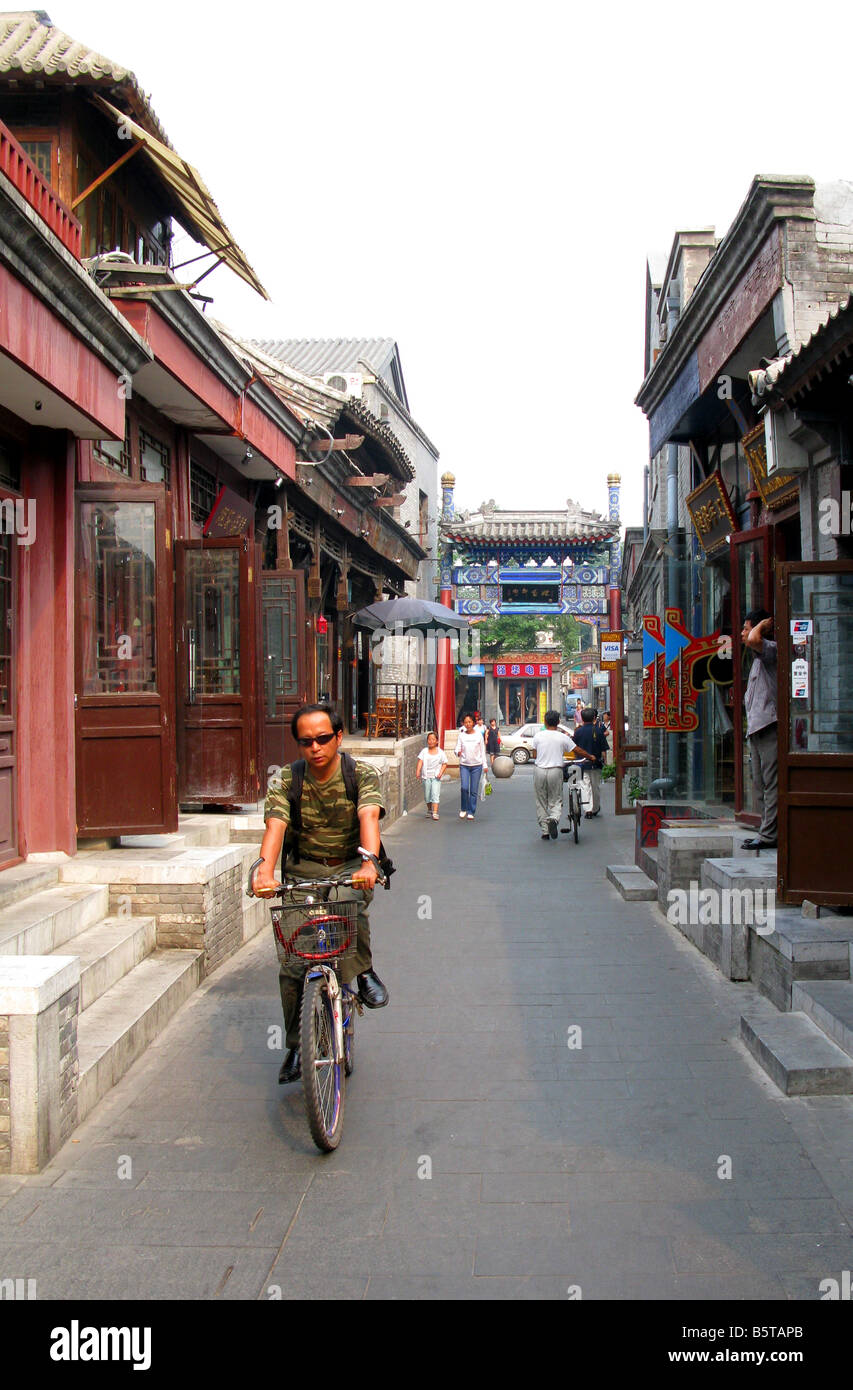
x: 815, y: 731
x: 124, y: 664
x: 8, y: 651
x: 216, y: 671
x: 284, y: 664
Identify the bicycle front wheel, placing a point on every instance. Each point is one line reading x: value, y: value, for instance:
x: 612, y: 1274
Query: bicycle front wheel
x: 322, y: 1076
x: 576, y: 811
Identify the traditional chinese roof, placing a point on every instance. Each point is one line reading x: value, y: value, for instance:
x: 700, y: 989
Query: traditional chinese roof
x: 33, y: 49
x: 826, y: 346
x: 490, y: 526
x: 309, y: 399
x: 319, y: 357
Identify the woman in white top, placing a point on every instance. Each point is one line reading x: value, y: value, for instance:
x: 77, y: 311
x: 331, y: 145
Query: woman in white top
x: 471, y: 752
x: 432, y: 761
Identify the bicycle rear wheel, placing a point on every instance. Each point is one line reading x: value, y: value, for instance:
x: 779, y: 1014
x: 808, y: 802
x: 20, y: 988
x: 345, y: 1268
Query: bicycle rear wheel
x: 322, y: 1077
x: 576, y: 811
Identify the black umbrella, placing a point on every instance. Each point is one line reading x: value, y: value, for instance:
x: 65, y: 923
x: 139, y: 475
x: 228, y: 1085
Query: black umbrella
x: 413, y: 614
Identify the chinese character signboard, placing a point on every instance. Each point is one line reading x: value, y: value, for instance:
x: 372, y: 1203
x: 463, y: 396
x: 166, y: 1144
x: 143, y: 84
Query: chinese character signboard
x: 711, y: 513
x: 231, y: 515
x: 510, y: 669
x: 782, y: 487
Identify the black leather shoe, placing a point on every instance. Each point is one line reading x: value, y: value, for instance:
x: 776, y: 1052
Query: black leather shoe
x: 552, y: 829
x: 758, y: 844
x: 291, y: 1067
x: 371, y: 990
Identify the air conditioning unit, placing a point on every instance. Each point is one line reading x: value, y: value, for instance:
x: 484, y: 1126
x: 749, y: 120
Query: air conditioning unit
x: 784, y: 455
x: 348, y: 383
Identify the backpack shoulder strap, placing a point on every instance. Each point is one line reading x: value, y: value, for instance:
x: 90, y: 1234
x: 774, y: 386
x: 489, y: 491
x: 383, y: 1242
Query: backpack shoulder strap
x: 349, y: 776
x: 294, y: 794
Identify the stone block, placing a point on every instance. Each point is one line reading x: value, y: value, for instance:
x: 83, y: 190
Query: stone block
x: 681, y: 853
x: 632, y: 883
x: 797, y: 1055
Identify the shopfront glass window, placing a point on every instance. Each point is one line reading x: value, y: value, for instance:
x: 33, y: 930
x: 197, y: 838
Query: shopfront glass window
x: 213, y: 610
x: 118, y: 565
x: 821, y: 675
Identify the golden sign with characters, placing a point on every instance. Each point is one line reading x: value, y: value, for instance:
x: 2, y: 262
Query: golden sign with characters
x: 782, y: 487
x: 711, y: 513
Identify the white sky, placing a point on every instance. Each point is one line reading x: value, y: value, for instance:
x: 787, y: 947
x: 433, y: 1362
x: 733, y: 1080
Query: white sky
x: 482, y: 182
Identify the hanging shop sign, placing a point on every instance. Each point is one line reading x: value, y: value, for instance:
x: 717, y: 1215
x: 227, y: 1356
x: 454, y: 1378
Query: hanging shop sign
x: 778, y: 490
x: 677, y: 668
x: 611, y: 651
x: 711, y: 513
x: 579, y: 681
x: 230, y: 515
x: 514, y: 669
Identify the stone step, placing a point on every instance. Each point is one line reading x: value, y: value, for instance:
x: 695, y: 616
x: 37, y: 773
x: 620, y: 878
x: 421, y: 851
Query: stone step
x: 194, y: 864
x: 648, y: 862
x: 829, y: 1004
x: 796, y: 1054
x: 118, y: 1027
x: 22, y: 880
x: 633, y: 884
x: 256, y: 917
x: 740, y: 872
x: 177, y: 841
x: 41, y: 924
x: 109, y: 951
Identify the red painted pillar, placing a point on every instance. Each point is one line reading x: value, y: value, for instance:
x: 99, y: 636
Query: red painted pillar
x: 614, y: 593
x: 445, y: 688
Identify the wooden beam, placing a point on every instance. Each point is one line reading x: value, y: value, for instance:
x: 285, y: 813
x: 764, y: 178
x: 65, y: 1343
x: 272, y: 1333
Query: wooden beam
x: 395, y: 501
x: 349, y: 441
x: 102, y: 178
x: 374, y: 480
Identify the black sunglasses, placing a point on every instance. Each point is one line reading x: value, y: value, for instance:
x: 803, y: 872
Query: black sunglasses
x: 322, y: 739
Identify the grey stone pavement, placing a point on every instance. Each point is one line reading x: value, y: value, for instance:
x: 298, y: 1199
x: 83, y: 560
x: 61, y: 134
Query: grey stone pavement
x: 592, y: 1168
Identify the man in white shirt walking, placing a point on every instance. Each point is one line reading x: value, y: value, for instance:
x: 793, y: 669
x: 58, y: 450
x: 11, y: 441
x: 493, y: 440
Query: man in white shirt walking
x: 551, y: 745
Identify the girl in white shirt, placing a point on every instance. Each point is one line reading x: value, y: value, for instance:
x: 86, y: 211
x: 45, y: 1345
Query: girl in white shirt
x: 432, y: 761
x: 471, y: 752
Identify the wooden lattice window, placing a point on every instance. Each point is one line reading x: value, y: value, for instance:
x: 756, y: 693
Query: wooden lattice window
x: 116, y: 453
x: 203, y: 492
x: 154, y: 460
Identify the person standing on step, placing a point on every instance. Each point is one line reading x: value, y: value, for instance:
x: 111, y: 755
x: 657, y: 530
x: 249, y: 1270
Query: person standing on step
x: 551, y: 745
x: 471, y: 752
x: 432, y: 761
x: 761, y: 722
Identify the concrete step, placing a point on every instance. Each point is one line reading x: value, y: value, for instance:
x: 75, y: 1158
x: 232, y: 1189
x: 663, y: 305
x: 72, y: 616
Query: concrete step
x: 829, y: 1004
x: 190, y: 864
x: 109, y: 951
x: 22, y: 880
x: 633, y: 884
x: 648, y: 862
x: 752, y: 872
x: 796, y: 1054
x: 176, y: 841
x: 118, y: 1027
x: 256, y: 917
x: 246, y: 829
x: 41, y: 924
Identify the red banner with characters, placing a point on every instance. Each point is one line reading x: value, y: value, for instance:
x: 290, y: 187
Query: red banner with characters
x: 681, y: 666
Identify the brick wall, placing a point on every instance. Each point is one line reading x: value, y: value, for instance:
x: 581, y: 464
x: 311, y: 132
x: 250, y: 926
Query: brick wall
x: 193, y: 916
x: 5, y: 1105
x: 69, y: 1066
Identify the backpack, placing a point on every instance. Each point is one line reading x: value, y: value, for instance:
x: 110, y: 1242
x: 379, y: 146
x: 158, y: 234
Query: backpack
x: 294, y: 796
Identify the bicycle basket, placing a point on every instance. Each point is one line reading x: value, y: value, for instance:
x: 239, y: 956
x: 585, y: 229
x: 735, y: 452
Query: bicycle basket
x: 315, y: 932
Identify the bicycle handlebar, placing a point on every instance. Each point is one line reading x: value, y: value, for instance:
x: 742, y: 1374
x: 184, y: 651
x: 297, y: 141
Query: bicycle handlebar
x: 290, y: 884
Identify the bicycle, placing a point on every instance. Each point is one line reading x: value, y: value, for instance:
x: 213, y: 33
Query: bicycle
x: 573, y: 777
x: 306, y: 929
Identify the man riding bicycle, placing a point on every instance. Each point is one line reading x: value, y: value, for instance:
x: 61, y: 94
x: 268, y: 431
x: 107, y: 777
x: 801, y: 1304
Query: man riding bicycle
x: 333, y: 827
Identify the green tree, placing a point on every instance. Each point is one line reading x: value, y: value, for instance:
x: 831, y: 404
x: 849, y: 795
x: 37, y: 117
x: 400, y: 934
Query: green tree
x: 517, y: 633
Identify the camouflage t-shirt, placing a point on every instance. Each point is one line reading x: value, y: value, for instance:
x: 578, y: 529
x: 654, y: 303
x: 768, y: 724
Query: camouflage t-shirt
x: 330, y: 828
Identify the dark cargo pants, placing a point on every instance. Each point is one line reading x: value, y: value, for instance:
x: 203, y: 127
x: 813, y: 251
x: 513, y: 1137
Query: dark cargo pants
x: 292, y: 970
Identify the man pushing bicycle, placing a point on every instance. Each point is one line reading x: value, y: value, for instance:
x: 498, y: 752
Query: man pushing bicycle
x: 325, y: 809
